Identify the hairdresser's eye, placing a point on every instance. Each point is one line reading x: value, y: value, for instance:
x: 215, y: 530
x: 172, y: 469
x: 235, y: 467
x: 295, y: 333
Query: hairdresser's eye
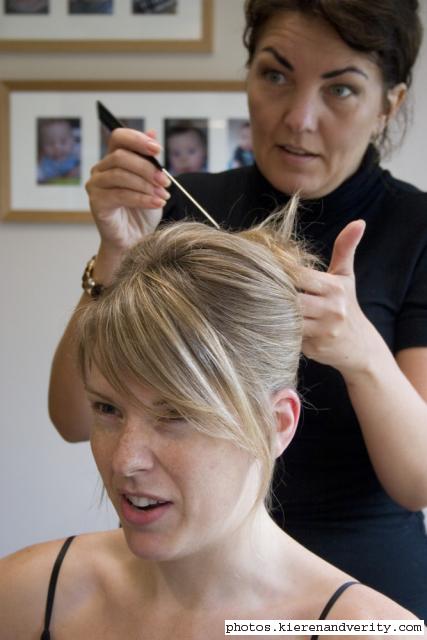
x: 274, y: 77
x: 341, y: 91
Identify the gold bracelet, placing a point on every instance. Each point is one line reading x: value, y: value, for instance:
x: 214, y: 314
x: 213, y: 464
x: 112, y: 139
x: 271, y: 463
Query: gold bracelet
x: 92, y: 288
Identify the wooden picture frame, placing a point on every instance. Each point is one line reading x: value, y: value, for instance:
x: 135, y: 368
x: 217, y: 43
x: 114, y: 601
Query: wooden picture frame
x: 26, y: 106
x: 188, y: 30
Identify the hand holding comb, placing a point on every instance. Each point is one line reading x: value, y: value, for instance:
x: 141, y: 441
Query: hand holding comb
x: 111, y: 122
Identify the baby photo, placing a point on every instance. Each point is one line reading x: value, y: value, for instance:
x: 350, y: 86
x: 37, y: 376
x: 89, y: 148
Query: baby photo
x: 90, y: 6
x: 239, y: 143
x: 26, y: 6
x: 58, y: 145
x: 186, y: 145
x: 154, y: 6
x: 104, y: 133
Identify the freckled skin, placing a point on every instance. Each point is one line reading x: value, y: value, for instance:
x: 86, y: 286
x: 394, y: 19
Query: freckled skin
x: 211, y: 482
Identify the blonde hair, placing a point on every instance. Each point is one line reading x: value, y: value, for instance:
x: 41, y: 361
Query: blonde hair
x: 209, y: 319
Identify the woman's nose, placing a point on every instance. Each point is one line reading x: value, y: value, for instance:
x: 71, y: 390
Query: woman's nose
x: 301, y: 112
x: 134, y: 451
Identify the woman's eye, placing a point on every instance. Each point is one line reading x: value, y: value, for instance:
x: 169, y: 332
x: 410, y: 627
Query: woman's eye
x: 104, y: 408
x: 273, y: 76
x: 341, y: 90
x: 171, y: 417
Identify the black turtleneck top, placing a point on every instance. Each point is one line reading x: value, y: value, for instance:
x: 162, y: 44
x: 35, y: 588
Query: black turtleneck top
x: 326, y: 491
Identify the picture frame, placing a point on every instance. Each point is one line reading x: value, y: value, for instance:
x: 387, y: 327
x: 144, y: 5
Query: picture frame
x: 57, y: 31
x: 28, y: 108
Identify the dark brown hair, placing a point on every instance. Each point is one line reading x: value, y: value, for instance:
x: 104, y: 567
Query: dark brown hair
x: 390, y: 31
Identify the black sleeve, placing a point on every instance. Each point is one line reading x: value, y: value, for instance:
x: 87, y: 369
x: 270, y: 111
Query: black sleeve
x: 411, y: 326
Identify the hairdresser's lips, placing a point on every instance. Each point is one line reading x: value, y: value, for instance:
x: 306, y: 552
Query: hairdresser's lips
x: 138, y: 516
x: 296, y: 156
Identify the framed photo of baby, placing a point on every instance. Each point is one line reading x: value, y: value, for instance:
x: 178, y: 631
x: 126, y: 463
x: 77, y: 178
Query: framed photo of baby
x: 50, y: 137
x: 186, y: 145
x: 105, y: 134
x: 58, y: 150
x: 100, y: 25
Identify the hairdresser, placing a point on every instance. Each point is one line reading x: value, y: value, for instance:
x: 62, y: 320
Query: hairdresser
x: 326, y: 80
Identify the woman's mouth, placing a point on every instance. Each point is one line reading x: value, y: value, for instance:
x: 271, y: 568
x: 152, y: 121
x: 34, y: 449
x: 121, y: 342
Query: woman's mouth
x: 142, y: 510
x: 141, y: 502
x: 297, y: 151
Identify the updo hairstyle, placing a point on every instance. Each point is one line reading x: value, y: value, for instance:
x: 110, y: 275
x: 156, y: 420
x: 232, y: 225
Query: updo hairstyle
x: 211, y: 321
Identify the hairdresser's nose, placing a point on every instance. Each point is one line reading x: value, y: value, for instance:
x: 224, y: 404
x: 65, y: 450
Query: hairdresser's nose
x: 134, y: 450
x: 301, y: 111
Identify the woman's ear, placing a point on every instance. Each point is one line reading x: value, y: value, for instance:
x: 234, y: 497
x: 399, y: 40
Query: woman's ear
x: 286, y: 407
x: 394, y: 99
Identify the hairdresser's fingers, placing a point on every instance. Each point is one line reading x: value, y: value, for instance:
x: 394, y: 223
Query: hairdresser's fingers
x: 126, y: 192
x: 105, y: 195
x: 124, y: 138
x: 142, y: 145
x: 311, y: 306
x: 112, y: 193
x: 134, y: 163
x: 332, y: 288
x: 312, y: 329
x: 314, y: 282
x: 104, y: 201
x: 118, y: 178
x: 124, y: 178
x: 151, y: 133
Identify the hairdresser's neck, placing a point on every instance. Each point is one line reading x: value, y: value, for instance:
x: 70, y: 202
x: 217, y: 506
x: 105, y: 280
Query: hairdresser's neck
x: 243, y: 563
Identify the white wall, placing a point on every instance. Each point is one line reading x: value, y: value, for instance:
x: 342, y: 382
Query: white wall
x: 49, y: 488
x: 410, y: 163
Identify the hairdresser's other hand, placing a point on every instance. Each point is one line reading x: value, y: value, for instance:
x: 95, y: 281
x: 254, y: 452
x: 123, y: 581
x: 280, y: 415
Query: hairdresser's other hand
x: 126, y: 192
x: 336, y: 331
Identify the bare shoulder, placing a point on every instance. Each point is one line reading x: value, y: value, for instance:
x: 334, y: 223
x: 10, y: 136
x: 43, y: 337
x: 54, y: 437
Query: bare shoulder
x: 361, y: 603
x: 25, y: 576
x: 24, y: 580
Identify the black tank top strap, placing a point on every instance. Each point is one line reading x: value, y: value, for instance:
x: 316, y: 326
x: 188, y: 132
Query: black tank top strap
x: 332, y: 600
x: 52, y: 586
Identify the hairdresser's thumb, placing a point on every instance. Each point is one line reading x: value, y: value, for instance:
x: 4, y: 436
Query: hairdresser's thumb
x: 342, y: 260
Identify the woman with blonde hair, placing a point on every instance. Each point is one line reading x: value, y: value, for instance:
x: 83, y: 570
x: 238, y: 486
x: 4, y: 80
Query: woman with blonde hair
x: 327, y: 82
x: 189, y: 361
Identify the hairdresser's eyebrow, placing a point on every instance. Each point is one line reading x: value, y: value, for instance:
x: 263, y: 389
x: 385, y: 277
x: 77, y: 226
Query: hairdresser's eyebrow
x: 280, y: 59
x: 326, y: 76
x: 339, y: 72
